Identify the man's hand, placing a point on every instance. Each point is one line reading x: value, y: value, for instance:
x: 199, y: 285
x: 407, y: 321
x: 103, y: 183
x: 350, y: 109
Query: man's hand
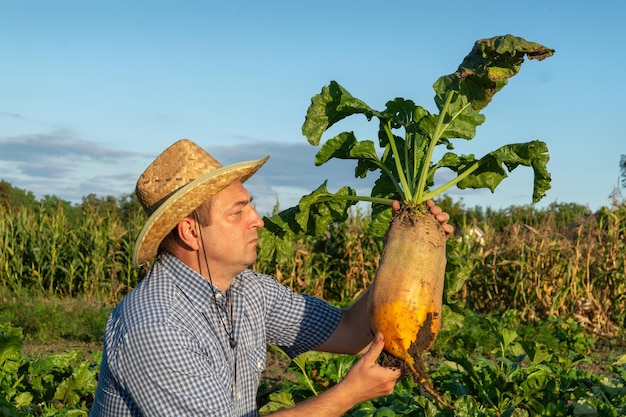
x: 365, y: 381
x: 441, y: 216
x: 367, y: 378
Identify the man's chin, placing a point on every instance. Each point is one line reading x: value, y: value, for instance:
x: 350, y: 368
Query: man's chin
x: 252, y: 260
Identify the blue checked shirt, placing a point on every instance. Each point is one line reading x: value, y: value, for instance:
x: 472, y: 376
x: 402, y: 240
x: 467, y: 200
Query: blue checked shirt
x: 167, y: 352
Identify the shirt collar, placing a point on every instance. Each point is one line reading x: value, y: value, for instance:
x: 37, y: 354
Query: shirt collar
x: 195, y: 287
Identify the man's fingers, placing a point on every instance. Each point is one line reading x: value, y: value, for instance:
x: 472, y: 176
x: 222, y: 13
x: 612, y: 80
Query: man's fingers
x: 376, y: 347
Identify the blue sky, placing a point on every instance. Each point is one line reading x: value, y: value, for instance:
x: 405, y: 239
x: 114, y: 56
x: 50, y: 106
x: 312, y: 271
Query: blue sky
x: 91, y: 92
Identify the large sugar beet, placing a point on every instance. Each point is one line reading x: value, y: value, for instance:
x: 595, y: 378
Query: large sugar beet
x: 406, y: 297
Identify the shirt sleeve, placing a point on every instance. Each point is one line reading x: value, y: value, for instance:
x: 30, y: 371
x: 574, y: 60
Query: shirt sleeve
x: 297, y: 322
x: 167, y: 373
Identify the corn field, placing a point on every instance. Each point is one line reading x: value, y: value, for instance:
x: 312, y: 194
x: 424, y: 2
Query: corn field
x: 538, y: 265
x: 542, y: 270
x: 47, y: 252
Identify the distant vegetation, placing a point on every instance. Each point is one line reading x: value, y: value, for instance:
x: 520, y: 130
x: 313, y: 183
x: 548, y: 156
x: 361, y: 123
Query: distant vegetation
x: 561, y: 260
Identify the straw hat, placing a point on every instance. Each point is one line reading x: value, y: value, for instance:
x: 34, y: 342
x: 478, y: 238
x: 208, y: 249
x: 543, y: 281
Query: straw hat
x: 182, y: 178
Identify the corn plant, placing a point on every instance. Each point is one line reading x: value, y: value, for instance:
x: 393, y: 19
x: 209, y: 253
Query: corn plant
x: 544, y: 269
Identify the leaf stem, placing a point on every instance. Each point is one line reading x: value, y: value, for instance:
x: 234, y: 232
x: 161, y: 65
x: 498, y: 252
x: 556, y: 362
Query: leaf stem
x: 394, y: 149
x: 455, y: 180
x: 419, y: 196
x: 301, y: 364
x: 439, y: 129
x: 409, y: 168
x: 387, y: 171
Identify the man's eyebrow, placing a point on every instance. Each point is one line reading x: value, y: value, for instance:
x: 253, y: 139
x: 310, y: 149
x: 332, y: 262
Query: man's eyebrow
x: 243, y: 202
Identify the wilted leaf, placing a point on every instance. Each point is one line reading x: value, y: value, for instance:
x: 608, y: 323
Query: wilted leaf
x: 487, y: 68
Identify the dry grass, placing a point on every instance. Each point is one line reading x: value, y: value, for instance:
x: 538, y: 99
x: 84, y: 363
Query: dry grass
x: 542, y: 270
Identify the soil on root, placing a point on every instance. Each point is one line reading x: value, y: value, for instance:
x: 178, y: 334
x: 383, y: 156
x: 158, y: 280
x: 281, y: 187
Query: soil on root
x: 389, y: 361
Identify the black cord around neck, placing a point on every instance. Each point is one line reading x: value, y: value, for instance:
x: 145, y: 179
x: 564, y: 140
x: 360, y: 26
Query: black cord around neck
x: 231, y: 336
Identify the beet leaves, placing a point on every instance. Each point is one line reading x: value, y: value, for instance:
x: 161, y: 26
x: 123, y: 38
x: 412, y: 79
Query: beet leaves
x: 407, y: 137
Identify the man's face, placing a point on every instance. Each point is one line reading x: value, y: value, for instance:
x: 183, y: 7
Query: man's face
x: 231, y: 237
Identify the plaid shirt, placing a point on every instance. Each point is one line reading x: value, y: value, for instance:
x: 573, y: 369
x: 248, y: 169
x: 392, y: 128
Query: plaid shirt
x: 167, y: 352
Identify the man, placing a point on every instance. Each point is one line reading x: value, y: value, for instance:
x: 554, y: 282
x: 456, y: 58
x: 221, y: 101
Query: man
x: 190, y: 339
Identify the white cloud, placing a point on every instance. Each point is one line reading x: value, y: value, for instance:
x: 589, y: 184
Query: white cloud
x: 60, y: 164
x: 70, y: 168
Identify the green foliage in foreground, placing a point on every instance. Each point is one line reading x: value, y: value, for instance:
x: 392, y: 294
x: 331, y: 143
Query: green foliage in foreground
x: 525, y: 372
x: 485, y: 366
x: 59, y: 385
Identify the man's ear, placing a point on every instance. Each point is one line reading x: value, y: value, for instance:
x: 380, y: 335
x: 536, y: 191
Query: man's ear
x: 188, y: 233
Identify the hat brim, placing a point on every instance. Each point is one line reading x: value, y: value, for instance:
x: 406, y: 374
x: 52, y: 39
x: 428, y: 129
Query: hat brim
x: 185, y: 200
